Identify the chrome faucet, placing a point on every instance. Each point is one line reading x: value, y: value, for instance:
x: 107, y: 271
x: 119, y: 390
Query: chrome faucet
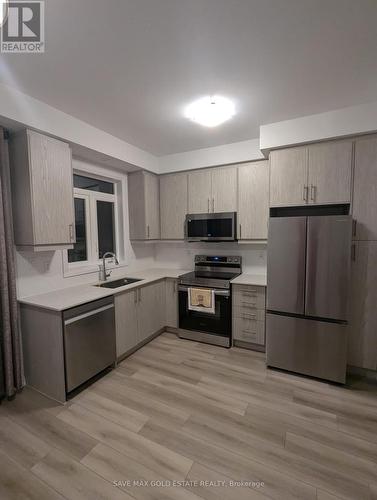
x: 103, y: 275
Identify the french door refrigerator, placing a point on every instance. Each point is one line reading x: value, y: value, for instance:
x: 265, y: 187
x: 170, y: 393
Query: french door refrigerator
x: 308, y: 271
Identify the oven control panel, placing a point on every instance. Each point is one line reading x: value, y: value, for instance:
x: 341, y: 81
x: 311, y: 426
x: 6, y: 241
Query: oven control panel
x: 213, y: 259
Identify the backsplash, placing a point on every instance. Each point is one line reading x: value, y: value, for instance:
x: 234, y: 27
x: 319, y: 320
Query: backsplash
x: 181, y: 254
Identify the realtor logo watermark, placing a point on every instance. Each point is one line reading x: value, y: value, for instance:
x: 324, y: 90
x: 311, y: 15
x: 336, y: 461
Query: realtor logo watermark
x: 23, y: 30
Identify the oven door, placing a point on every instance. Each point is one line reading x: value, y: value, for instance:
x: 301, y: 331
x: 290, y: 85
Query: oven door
x: 219, y: 323
x: 211, y: 227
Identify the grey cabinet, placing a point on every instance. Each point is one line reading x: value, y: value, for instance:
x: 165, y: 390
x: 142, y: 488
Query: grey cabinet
x: 365, y: 189
x: 126, y: 321
x: 288, y: 177
x: 362, y: 331
x: 330, y: 172
x: 139, y: 313
x: 199, y: 192
x: 212, y: 190
x: 248, y: 313
x: 42, y: 191
x: 315, y: 174
x: 173, y: 206
x: 224, y: 189
x: 253, y: 201
x: 172, y: 303
x: 144, y: 206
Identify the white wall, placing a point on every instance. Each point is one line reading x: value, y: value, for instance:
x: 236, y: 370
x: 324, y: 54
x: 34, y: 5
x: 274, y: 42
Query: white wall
x: 180, y: 255
x: 236, y: 152
x: 349, y: 121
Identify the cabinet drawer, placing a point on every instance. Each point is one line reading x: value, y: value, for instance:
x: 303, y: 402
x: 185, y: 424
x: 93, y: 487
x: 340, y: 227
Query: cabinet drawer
x: 248, y: 312
x: 249, y: 296
x: 248, y: 330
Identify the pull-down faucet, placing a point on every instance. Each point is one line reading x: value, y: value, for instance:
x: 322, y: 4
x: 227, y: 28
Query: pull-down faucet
x: 103, y: 275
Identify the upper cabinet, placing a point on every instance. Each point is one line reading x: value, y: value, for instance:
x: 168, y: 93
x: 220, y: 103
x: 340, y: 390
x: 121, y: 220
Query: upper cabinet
x: 173, y: 206
x: 224, y: 189
x: 199, y: 192
x: 365, y: 189
x: 144, y: 206
x: 330, y: 172
x: 253, y: 197
x: 316, y: 174
x: 213, y: 190
x: 288, y: 176
x: 42, y: 191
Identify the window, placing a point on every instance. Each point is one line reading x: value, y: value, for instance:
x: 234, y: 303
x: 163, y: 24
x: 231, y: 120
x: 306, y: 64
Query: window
x: 95, y: 220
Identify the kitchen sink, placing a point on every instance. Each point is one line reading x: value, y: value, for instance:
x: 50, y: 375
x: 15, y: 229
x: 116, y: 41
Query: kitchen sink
x: 118, y: 283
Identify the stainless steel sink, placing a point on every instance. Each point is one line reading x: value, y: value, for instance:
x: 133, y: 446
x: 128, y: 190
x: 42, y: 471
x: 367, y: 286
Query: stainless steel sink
x: 118, y: 283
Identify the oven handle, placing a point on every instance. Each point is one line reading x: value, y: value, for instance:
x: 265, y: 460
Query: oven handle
x: 224, y: 293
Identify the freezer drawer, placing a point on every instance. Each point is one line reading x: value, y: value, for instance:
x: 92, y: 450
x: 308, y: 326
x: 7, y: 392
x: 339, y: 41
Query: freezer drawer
x: 328, y: 266
x: 310, y: 347
x: 89, y: 341
x: 286, y: 253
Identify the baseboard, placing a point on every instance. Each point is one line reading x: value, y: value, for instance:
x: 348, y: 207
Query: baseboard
x: 362, y: 372
x: 249, y: 345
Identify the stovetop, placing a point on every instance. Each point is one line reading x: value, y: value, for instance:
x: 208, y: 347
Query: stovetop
x: 212, y: 272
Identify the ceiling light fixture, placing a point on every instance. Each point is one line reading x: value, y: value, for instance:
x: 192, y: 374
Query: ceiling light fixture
x: 210, y: 111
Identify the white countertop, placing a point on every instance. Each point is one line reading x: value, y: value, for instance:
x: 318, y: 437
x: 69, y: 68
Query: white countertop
x: 65, y: 298
x: 250, y: 279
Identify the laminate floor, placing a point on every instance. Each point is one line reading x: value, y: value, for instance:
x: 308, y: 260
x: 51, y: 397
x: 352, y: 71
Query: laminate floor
x: 183, y: 420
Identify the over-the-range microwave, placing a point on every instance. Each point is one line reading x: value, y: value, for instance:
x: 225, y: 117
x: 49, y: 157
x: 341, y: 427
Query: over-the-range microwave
x: 220, y: 226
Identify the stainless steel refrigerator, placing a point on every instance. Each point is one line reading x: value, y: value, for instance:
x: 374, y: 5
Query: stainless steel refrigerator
x: 308, y: 271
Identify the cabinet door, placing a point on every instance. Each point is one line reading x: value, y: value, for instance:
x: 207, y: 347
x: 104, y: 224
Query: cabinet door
x: 52, y: 190
x: 199, y: 192
x: 126, y: 321
x: 173, y: 206
x: 224, y: 190
x: 288, y: 177
x: 253, y: 201
x: 330, y: 172
x: 172, y: 303
x: 365, y: 189
x: 151, y: 309
x: 362, y: 336
x: 152, y: 206
x: 137, y: 206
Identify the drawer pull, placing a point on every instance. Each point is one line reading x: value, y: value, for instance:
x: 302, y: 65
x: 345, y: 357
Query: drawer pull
x: 248, y: 306
x: 250, y: 316
x: 249, y: 294
x: 249, y: 332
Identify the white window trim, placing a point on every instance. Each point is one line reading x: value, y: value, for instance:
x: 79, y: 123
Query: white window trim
x: 91, y: 197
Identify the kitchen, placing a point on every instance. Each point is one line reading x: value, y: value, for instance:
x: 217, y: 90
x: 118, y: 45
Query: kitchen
x: 192, y: 316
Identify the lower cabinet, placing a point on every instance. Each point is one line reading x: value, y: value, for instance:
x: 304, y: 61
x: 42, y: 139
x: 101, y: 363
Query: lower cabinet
x: 362, y: 331
x: 139, y: 313
x: 172, y: 303
x: 248, y: 312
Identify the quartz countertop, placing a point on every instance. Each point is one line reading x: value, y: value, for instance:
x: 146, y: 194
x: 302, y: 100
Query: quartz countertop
x: 65, y: 298
x: 250, y: 279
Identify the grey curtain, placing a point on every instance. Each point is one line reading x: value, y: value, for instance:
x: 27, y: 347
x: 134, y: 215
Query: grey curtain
x: 11, y: 353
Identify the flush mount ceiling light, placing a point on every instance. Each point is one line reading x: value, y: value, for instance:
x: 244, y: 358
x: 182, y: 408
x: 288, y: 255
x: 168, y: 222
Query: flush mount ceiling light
x: 3, y: 11
x: 210, y: 111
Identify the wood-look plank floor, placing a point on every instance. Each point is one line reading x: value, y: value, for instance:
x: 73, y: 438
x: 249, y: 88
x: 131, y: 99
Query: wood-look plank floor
x: 183, y: 420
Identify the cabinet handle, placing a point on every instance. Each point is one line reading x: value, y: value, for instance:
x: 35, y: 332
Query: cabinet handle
x: 354, y: 227
x: 305, y: 193
x: 71, y: 232
x: 240, y: 231
x: 353, y: 253
x: 139, y: 292
x: 313, y: 191
x: 147, y: 231
x: 208, y: 205
x: 135, y: 296
x: 249, y: 332
x: 213, y: 205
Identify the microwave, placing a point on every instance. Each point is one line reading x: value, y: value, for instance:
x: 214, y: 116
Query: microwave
x: 211, y: 227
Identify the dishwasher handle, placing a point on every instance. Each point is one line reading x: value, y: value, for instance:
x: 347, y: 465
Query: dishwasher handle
x: 87, y: 314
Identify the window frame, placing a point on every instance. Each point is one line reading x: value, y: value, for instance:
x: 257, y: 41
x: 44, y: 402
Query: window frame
x: 91, y: 264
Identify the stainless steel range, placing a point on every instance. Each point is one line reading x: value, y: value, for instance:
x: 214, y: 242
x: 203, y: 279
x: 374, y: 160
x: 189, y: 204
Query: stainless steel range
x: 214, y: 273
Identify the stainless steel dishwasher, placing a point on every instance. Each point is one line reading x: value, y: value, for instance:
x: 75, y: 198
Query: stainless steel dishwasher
x: 89, y: 341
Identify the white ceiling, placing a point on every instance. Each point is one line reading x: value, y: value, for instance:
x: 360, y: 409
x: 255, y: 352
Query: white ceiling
x: 129, y: 66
